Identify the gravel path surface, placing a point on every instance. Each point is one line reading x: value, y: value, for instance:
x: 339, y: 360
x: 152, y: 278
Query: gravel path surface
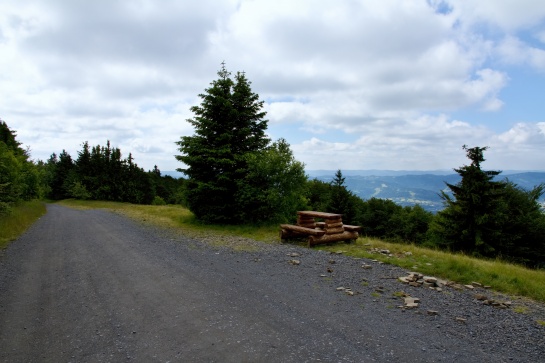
x: 93, y: 286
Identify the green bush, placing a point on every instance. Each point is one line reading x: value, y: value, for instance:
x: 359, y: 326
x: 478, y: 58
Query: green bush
x: 158, y: 201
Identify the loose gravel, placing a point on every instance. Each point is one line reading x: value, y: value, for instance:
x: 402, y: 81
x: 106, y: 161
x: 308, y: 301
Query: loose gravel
x: 89, y: 286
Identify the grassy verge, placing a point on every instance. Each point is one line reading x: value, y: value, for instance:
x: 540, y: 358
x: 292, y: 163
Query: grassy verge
x: 176, y: 217
x: 501, y: 276
x: 21, y: 217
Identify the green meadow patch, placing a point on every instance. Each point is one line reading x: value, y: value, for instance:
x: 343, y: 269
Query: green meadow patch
x: 18, y: 219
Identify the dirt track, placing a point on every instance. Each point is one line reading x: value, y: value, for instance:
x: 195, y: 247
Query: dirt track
x: 92, y: 286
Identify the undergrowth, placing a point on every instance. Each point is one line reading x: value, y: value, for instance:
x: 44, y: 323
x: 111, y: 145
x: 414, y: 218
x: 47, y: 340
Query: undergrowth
x: 18, y: 219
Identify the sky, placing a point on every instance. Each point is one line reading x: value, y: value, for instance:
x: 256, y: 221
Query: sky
x: 350, y: 85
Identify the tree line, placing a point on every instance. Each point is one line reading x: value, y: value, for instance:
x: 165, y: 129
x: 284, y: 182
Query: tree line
x: 20, y: 178
x: 235, y: 174
x: 98, y: 173
x: 101, y: 173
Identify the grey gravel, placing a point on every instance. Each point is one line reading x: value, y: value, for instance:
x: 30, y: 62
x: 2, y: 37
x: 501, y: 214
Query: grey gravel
x: 94, y: 286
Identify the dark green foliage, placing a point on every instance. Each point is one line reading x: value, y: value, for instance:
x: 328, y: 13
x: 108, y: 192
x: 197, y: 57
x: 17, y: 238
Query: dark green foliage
x: 334, y: 197
x: 228, y: 125
x: 341, y: 200
x: 19, y: 176
x: 167, y: 188
x: 8, y: 138
x: 410, y: 224
x: 272, y: 189
x: 470, y: 221
x: 318, y: 195
x: 99, y: 173
x: 380, y: 218
x: 377, y: 217
x: 385, y: 219
x: 62, y: 175
x: 490, y: 218
x: 522, y: 236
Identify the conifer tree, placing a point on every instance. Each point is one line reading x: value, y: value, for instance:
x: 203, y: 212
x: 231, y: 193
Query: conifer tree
x: 341, y: 200
x: 228, y: 124
x: 472, y: 218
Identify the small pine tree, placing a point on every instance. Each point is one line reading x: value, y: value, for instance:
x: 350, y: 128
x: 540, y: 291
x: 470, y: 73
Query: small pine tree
x: 341, y: 199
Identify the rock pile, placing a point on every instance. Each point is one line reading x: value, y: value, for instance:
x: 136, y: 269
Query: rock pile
x: 419, y: 280
x: 381, y: 251
x: 491, y: 302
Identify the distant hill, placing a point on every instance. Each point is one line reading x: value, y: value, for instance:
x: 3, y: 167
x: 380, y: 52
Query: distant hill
x: 412, y: 188
x: 409, y: 187
x: 173, y: 173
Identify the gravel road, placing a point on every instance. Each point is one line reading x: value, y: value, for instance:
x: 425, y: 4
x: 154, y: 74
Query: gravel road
x: 94, y: 286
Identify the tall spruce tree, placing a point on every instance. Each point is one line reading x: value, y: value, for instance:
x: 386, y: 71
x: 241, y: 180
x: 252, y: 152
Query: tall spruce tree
x: 229, y: 123
x: 473, y: 217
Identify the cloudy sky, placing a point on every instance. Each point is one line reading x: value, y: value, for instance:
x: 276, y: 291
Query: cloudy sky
x: 350, y: 84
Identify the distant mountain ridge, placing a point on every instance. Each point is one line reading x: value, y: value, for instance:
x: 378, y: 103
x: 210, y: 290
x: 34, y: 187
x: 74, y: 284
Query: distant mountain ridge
x: 409, y: 187
x: 377, y: 172
x: 414, y: 187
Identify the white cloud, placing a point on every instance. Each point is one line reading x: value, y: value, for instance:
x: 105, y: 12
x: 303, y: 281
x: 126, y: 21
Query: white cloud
x: 414, y: 145
x: 524, y: 134
x: 512, y: 50
x: 508, y: 15
x: 374, y: 74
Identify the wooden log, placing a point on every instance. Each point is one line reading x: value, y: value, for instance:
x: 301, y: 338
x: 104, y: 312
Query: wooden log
x: 302, y: 230
x: 334, y: 230
x: 351, y: 228
x: 345, y: 236
x: 334, y: 225
x: 286, y: 234
x: 308, y: 222
x: 320, y: 225
x: 318, y: 214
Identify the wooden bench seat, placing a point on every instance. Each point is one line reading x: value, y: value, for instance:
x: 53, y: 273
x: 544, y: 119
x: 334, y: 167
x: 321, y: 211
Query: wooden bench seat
x: 330, y: 230
x: 303, y: 230
x: 350, y: 228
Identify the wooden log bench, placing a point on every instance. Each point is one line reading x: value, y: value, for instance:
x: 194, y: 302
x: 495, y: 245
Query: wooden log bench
x: 292, y: 231
x: 331, y: 230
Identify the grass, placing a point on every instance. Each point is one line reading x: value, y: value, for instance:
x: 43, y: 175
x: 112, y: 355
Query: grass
x: 178, y: 218
x: 521, y: 309
x: 501, y: 276
x: 22, y: 216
